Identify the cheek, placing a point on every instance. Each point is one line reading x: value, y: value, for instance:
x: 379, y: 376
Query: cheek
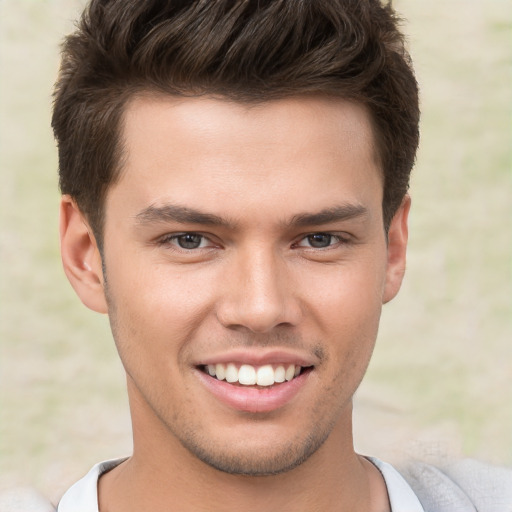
x: 352, y: 336
x: 349, y: 299
x: 348, y: 309
x: 154, y: 314
x: 160, y: 298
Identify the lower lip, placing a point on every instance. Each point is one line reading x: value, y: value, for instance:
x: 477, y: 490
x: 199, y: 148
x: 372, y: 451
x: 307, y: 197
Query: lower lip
x: 252, y: 399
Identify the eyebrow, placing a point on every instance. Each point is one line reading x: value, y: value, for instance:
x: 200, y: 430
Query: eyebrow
x: 329, y: 215
x: 181, y: 214
x: 184, y: 215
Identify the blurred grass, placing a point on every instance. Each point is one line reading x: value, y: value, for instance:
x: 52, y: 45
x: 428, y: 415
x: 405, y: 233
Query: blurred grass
x: 62, y: 400
x: 442, y: 368
x: 445, y: 342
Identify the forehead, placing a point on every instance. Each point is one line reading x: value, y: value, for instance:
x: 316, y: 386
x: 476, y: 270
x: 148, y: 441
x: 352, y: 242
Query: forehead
x: 198, y: 151
x: 327, y: 121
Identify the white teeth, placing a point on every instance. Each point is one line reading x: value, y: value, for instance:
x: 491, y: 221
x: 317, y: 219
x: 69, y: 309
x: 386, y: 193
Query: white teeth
x: 290, y: 372
x: 279, y: 374
x: 231, y: 373
x: 220, y: 371
x: 265, y: 375
x: 249, y: 375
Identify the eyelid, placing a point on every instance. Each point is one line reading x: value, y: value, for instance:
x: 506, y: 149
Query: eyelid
x: 169, y: 238
x: 340, y: 239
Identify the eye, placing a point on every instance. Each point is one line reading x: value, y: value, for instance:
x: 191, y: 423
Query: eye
x: 187, y: 241
x: 318, y: 240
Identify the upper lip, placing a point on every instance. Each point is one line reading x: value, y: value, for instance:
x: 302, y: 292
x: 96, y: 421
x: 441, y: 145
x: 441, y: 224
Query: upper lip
x: 260, y: 357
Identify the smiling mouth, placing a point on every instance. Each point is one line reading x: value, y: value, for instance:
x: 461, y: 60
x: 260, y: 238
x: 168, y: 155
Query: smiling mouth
x: 249, y: 375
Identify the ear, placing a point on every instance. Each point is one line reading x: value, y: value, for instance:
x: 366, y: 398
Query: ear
x: 80, y: 256
x: 397, y: 246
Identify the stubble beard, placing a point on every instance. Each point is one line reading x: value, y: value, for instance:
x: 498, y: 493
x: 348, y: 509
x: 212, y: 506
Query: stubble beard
x: 277, y: 461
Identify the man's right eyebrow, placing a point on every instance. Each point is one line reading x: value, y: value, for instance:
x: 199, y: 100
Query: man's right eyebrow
x: 183, y: 215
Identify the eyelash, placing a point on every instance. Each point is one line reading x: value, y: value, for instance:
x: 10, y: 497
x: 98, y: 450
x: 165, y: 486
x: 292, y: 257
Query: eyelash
x: 338, y: 240
x: 169, y: 239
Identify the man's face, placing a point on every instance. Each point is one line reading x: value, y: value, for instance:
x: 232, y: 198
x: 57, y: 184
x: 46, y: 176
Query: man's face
x: 246, y: 241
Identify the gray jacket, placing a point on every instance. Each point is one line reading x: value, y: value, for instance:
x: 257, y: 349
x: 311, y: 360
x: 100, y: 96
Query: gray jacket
x: 461, y: 486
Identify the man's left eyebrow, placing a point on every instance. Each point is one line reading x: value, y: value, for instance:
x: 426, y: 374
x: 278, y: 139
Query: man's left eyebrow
x: 328, y: 215
x: 180, y: 214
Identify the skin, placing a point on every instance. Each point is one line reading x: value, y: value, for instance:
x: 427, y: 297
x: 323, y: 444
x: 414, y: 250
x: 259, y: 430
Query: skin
x: 254, y: 285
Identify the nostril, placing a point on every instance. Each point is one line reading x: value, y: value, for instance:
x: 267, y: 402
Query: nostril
x: 258, y: 295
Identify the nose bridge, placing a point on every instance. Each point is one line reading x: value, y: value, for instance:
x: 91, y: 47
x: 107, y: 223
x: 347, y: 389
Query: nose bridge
x: 259, y: 296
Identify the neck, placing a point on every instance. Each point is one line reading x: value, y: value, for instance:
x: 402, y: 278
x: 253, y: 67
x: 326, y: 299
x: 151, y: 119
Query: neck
x: 160, y: 473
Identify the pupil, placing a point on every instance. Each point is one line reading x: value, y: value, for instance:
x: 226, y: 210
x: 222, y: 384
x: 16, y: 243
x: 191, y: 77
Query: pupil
x: 319, y: 240
x: 189, y: 241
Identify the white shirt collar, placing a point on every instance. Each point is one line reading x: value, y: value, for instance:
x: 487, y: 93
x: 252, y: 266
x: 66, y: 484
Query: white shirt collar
x: 83, y: 496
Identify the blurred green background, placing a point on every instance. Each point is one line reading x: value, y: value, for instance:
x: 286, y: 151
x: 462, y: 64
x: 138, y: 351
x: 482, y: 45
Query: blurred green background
x: 440, y: 383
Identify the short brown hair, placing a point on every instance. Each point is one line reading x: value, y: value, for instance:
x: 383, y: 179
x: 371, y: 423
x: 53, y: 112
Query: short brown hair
x: 246, y: 50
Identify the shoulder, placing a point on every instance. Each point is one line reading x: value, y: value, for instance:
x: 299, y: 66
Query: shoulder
x: 83, y: 495
x: 24, y: 499
x: 464, y: 485
x: 401, y: 497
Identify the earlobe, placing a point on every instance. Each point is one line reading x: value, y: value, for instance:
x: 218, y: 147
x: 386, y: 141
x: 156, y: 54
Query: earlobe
x: 396, y: 251
x: 81, y: 257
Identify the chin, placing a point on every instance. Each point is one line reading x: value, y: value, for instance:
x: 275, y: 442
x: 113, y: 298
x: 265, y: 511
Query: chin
x: 257, y: 460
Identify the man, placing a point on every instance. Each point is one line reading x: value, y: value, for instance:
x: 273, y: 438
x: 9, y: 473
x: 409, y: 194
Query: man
x: 234, y: 179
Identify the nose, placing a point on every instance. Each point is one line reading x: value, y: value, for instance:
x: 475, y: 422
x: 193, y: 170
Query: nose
x: 258, y: 293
